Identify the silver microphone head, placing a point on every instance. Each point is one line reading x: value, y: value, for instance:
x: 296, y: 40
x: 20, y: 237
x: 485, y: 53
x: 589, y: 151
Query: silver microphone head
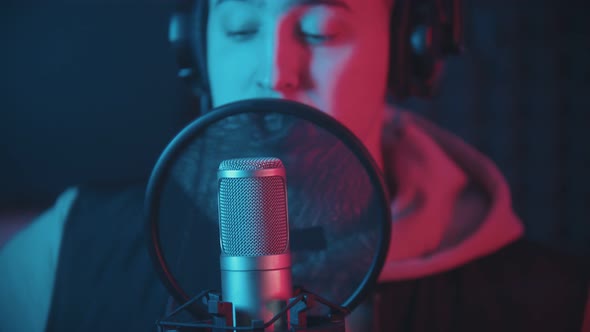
x: 253, y: 214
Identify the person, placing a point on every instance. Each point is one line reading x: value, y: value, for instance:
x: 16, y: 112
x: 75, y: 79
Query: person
x: 458, y: 259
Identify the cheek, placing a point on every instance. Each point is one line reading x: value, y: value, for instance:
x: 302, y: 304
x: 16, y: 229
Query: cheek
x: 229, y: 69
x: 351, y: 83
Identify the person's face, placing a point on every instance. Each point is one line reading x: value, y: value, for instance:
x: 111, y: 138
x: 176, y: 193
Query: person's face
x: 329, y: 54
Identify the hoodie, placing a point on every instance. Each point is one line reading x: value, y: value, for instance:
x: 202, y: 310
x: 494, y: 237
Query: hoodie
x: 452, y: 205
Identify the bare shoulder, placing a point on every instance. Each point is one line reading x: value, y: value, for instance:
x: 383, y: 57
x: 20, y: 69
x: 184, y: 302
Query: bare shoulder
x: 28, y: 262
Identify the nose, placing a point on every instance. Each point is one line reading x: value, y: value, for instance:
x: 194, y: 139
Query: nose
x: 280, y: 65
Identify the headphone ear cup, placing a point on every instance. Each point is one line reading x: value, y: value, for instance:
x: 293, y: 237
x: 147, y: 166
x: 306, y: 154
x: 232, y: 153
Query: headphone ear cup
x: 178, y: 36
x: 423, y: 60
x: 424, y: 32
x: 187, y: 35
x: 399, y: 52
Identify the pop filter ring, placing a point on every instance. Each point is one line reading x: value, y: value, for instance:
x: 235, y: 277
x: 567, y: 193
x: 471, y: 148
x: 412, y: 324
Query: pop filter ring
x: 185, y: 137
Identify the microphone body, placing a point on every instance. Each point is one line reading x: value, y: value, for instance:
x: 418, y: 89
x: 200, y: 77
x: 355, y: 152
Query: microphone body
x: 254, y: 237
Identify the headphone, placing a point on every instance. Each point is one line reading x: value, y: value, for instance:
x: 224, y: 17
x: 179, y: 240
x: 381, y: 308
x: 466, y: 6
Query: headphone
x: 423, y: 33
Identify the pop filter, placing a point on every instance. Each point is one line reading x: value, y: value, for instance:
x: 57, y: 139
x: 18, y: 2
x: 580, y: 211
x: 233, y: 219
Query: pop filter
x: 339, y: 214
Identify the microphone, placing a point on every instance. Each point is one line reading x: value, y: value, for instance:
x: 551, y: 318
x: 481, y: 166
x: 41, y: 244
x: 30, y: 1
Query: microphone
x: 254, y: 237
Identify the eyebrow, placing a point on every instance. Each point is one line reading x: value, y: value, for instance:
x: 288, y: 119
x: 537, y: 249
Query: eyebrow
x: 333, y: 3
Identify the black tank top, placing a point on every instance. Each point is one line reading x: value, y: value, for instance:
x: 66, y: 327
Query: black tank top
x: 105, y: 280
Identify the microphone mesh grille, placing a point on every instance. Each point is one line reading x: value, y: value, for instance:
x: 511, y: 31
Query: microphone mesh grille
x: 250, y: 164
x: 253, y: 215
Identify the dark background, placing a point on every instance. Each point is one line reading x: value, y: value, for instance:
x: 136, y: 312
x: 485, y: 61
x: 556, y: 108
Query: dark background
x: 88, y: 94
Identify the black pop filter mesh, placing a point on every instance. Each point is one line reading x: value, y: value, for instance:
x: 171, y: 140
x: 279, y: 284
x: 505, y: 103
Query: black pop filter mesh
x: 339, y: 216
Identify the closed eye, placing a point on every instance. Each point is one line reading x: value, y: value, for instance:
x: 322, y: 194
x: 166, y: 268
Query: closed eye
x: 241, y: 35
x: 314, y: 38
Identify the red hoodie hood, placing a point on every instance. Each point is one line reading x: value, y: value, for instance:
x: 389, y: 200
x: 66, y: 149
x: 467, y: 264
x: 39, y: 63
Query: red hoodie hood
x: 452, y: 204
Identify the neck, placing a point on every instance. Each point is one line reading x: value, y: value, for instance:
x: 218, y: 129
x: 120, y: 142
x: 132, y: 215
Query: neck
x: 375, y: 149
x: 372, y: 138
